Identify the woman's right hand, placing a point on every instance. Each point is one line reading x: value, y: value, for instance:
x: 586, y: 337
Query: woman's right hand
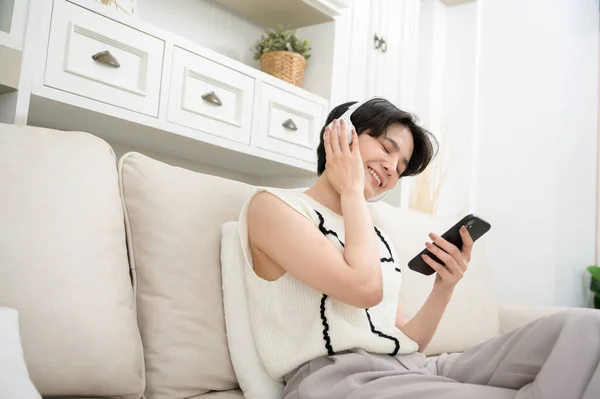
x: 344, y: 166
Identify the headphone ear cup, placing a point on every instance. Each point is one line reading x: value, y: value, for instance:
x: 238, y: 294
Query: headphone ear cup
x: 349, y: 132
x: 350, y: 127
x: 379, y: 197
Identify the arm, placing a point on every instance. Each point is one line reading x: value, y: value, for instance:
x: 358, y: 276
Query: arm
x: 354, y: 276
x: 361, y: 247
x: 423, y: 325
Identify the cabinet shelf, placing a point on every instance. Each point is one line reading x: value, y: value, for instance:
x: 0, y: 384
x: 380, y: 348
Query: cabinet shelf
x: 288, y: 13
x: 10, y: 69
x: 450, y: 3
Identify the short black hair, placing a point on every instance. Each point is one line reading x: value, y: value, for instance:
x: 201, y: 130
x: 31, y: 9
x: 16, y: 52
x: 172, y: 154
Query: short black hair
x: 374, y: 117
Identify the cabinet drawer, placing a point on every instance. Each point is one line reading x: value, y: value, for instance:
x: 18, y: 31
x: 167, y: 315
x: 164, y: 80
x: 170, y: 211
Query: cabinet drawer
x: 289, y: 124
x: 99, y: 58
x: 210, y: 97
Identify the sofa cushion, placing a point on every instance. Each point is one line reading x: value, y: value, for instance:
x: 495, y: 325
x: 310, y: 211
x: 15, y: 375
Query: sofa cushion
x: 233, y: 394
x: 472, y: 314
x: 63, y: 263
x: 14, y: 377
x: 174, y: 218
x: 252, y: 376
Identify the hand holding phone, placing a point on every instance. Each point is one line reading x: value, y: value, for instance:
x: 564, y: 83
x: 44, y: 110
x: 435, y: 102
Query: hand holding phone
x: 476, y: 227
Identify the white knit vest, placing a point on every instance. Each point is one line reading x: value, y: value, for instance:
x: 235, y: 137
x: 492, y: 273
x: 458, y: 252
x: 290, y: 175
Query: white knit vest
x: 293, y: 323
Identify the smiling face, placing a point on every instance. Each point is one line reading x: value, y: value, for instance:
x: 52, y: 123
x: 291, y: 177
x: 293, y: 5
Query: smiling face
x: 385, y: 158
x: 392, y: 144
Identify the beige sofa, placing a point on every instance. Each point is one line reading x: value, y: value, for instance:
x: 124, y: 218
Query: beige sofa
x: 114, y: 268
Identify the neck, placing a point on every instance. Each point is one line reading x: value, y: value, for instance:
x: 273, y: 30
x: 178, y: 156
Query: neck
x: 324, y: 193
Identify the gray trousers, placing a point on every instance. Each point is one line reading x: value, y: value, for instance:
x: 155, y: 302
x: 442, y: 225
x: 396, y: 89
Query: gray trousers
x: 555, y: 357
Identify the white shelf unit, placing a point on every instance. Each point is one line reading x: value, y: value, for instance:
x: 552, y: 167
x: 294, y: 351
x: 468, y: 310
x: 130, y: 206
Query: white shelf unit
x: 288, y: 13
x: 91, y: 68
x: 13, y: 20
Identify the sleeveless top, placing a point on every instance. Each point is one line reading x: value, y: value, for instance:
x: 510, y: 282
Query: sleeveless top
x: 292, y: 323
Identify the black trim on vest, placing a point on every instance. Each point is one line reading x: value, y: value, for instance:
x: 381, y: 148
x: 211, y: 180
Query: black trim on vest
x: 391, y: 258
x: 382, y: 335
x: 325, y: 231
x: 326, y: 336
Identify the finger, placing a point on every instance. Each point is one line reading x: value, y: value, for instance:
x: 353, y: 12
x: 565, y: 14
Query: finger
x: 441, y: 270
x: 453, y: 265
x: 355, y: 145
x: 441, y: 254
x: 344, y: 145
x: 327, y: 143
x: 334, y: 138
x: 463, y: 266
x: 446, y: 246
x: 467, y: 242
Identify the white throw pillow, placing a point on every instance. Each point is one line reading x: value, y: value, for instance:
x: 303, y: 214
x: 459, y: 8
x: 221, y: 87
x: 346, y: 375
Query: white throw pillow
x: 14, y: 377
x: 174, y: 219
x: 63, y: 264
x: 250, y: 372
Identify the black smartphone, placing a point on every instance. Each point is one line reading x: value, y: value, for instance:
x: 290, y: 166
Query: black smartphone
x: 476, y: 228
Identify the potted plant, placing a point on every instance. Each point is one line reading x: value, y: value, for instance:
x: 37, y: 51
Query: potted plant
x: 595, y: 284
x: 282, y: 54
x: 126, y: 6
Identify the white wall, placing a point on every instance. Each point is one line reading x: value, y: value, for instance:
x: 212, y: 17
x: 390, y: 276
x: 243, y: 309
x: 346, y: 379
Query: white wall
x: 317, y: 75
x: 207, y: 23
x: 445, y: 94
x: 457, y: 107
x: 535, y: 145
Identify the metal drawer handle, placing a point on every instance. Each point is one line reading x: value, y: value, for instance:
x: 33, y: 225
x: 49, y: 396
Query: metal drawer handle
x: 107, y: 58
x: 212, y: 98
x: 380, y: 43
x: 289, y: 124
x: 383, y: 45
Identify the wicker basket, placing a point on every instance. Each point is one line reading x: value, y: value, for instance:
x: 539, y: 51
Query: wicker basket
x: 285, y: 65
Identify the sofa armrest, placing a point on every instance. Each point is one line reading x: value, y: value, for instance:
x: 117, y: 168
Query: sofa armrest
x: 514, y: 315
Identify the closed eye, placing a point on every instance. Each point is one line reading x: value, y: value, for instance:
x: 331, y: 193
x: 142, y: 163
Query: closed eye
x: 387, y: 152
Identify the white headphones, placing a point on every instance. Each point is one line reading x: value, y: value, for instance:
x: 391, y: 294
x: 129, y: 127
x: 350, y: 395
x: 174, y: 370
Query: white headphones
x: 346, y: 117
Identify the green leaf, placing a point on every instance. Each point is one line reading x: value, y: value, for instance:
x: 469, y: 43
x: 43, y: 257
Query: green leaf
x: 280, y: 39
x: 594, y: 271
x: 597, y: 301
x: 595, y: 286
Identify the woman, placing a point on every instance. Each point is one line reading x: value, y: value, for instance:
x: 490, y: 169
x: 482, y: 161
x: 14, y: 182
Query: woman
x: 323, y: 288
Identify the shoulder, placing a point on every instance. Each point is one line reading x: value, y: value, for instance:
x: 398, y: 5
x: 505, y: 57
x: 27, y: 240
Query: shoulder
x: 278, y: 204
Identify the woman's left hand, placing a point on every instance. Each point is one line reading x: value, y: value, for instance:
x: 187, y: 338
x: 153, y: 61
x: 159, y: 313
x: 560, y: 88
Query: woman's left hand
x: 455, y: 260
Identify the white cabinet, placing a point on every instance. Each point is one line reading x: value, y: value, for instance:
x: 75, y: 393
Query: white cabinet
x: 289, y: 13
x: 98, y: 58
x: 381, y: 47
x: 13, y: 18
x: 142, y: 87
x: 210, y: 97
x: 289, y: 124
